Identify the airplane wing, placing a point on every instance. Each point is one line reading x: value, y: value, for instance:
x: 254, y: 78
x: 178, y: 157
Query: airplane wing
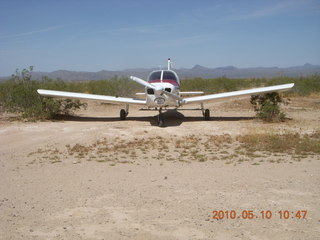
x: 191, y: 93
x: 109, y: 99
x: 237, y: 94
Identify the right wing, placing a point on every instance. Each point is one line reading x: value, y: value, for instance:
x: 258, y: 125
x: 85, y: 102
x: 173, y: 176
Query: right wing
x: 237, y: 94
x: 109, y: 99
x: 191, y: 93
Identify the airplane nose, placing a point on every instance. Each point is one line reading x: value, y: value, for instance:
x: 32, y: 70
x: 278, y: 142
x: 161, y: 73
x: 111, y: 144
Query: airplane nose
x: 158, y: 90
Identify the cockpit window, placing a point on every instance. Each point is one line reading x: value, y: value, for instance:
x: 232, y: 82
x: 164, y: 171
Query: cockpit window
x: 164, y: 76
x: 155, y: 76
x: 169, y: 76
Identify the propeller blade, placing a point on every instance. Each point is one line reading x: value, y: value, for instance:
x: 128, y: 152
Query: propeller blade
x: 158, y: 89
x: 176, y: 97
x: 142, y: 82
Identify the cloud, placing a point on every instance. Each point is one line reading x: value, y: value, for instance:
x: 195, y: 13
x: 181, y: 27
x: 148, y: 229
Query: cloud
x: 137, y: 29
x: 265, y: 11
x: 49, y: 29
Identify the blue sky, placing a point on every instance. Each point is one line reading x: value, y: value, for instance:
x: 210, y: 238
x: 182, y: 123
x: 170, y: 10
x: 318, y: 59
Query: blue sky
x: 114, y: 35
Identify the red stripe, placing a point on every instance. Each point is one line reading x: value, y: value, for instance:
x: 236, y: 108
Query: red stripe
x: 166, y: 81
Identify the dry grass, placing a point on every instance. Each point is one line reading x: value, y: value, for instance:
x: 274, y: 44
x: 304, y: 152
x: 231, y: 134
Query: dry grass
x: 289, y: 143
x: 254, y: 148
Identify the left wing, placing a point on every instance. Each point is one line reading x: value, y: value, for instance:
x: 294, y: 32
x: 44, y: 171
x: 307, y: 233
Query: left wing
x: 236, y: 94
x: 109, y: 99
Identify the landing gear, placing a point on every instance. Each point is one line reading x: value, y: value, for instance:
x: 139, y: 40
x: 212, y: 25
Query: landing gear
x: 205, y: 113
x: 124, y: 113
x: 160, y: 118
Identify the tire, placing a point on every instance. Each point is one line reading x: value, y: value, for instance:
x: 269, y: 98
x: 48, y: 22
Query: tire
x: 123, y: 114
x: 160, y: 120
x: 207, y: 114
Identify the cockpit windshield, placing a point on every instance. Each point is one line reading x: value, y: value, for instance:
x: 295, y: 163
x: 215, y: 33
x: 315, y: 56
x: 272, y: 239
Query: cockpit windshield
x: 168, y: 75
x: 155, y: 76
x: 164, y: 76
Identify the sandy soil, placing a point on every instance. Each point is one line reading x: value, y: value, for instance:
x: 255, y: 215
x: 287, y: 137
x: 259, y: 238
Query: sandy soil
x: 95, y: 177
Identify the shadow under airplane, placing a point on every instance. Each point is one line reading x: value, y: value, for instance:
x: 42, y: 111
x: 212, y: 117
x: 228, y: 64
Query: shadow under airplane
x: 173, y: 118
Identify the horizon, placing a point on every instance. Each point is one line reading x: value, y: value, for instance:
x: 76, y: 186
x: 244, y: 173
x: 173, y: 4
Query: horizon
x: 151, y: 68
x: 92, y: 36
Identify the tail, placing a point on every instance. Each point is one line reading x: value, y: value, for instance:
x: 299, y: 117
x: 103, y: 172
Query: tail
x: 169, y: 64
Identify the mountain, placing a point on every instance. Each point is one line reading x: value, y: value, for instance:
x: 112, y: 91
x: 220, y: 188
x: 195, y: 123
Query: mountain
x: 257, y: 72
x: 196, y: 71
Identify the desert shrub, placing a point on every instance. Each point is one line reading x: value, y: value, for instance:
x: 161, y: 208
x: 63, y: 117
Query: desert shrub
x: 267, y: 106
x: 114, y: 87
x: 304, y: 86
x: 19, y: 95
x: 217, y: 85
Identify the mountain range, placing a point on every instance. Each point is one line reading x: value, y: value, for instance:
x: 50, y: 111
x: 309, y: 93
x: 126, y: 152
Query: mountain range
x: 197, y: 71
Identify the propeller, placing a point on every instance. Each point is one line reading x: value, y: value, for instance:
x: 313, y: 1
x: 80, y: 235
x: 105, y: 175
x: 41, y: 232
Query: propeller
x: 142, y: 82
x: 176, y: 97
x: 158, y: 89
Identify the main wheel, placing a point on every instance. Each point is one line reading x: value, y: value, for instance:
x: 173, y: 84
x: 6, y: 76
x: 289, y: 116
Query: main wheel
x: 207, y: 114
x: 123, y: 114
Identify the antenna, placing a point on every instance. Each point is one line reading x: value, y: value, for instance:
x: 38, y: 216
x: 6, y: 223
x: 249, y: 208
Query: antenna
x: 169, y: 64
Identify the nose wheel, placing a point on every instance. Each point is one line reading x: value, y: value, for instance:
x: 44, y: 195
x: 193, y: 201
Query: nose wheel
x: 160, y: 118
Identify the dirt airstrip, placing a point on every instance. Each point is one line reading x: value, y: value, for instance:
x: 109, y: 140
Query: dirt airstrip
x: 95, y: 177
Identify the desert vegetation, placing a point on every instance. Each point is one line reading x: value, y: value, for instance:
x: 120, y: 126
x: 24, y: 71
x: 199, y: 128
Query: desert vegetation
x: 19, y: 94
x: 304, y: 86
x: 254, y: 148
x: 267, y: 107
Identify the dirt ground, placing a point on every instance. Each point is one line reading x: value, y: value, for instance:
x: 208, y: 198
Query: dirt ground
x: 95, y: 177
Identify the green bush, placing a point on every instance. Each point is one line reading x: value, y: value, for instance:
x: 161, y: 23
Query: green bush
x: 267, y: 106
x: 304, y: 86
x: 19, y: 95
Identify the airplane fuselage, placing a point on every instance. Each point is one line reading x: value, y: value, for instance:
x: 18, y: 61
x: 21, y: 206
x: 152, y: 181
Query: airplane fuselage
x: 166, y: 80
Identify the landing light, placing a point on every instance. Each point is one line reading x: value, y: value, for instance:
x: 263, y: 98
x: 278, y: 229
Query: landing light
x: 159, y: 100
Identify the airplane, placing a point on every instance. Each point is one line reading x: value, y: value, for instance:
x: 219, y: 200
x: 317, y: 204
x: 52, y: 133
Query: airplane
x: 162, y: 90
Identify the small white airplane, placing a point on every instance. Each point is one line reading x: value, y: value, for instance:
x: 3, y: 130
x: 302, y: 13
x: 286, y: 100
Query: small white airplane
x: 163, y: 90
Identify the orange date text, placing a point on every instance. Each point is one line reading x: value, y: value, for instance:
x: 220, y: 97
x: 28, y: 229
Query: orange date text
x: 262, y: 214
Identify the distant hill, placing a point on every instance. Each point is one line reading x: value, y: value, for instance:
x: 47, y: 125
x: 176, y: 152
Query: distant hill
x: 197, y: 71
x: 257, y: 72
